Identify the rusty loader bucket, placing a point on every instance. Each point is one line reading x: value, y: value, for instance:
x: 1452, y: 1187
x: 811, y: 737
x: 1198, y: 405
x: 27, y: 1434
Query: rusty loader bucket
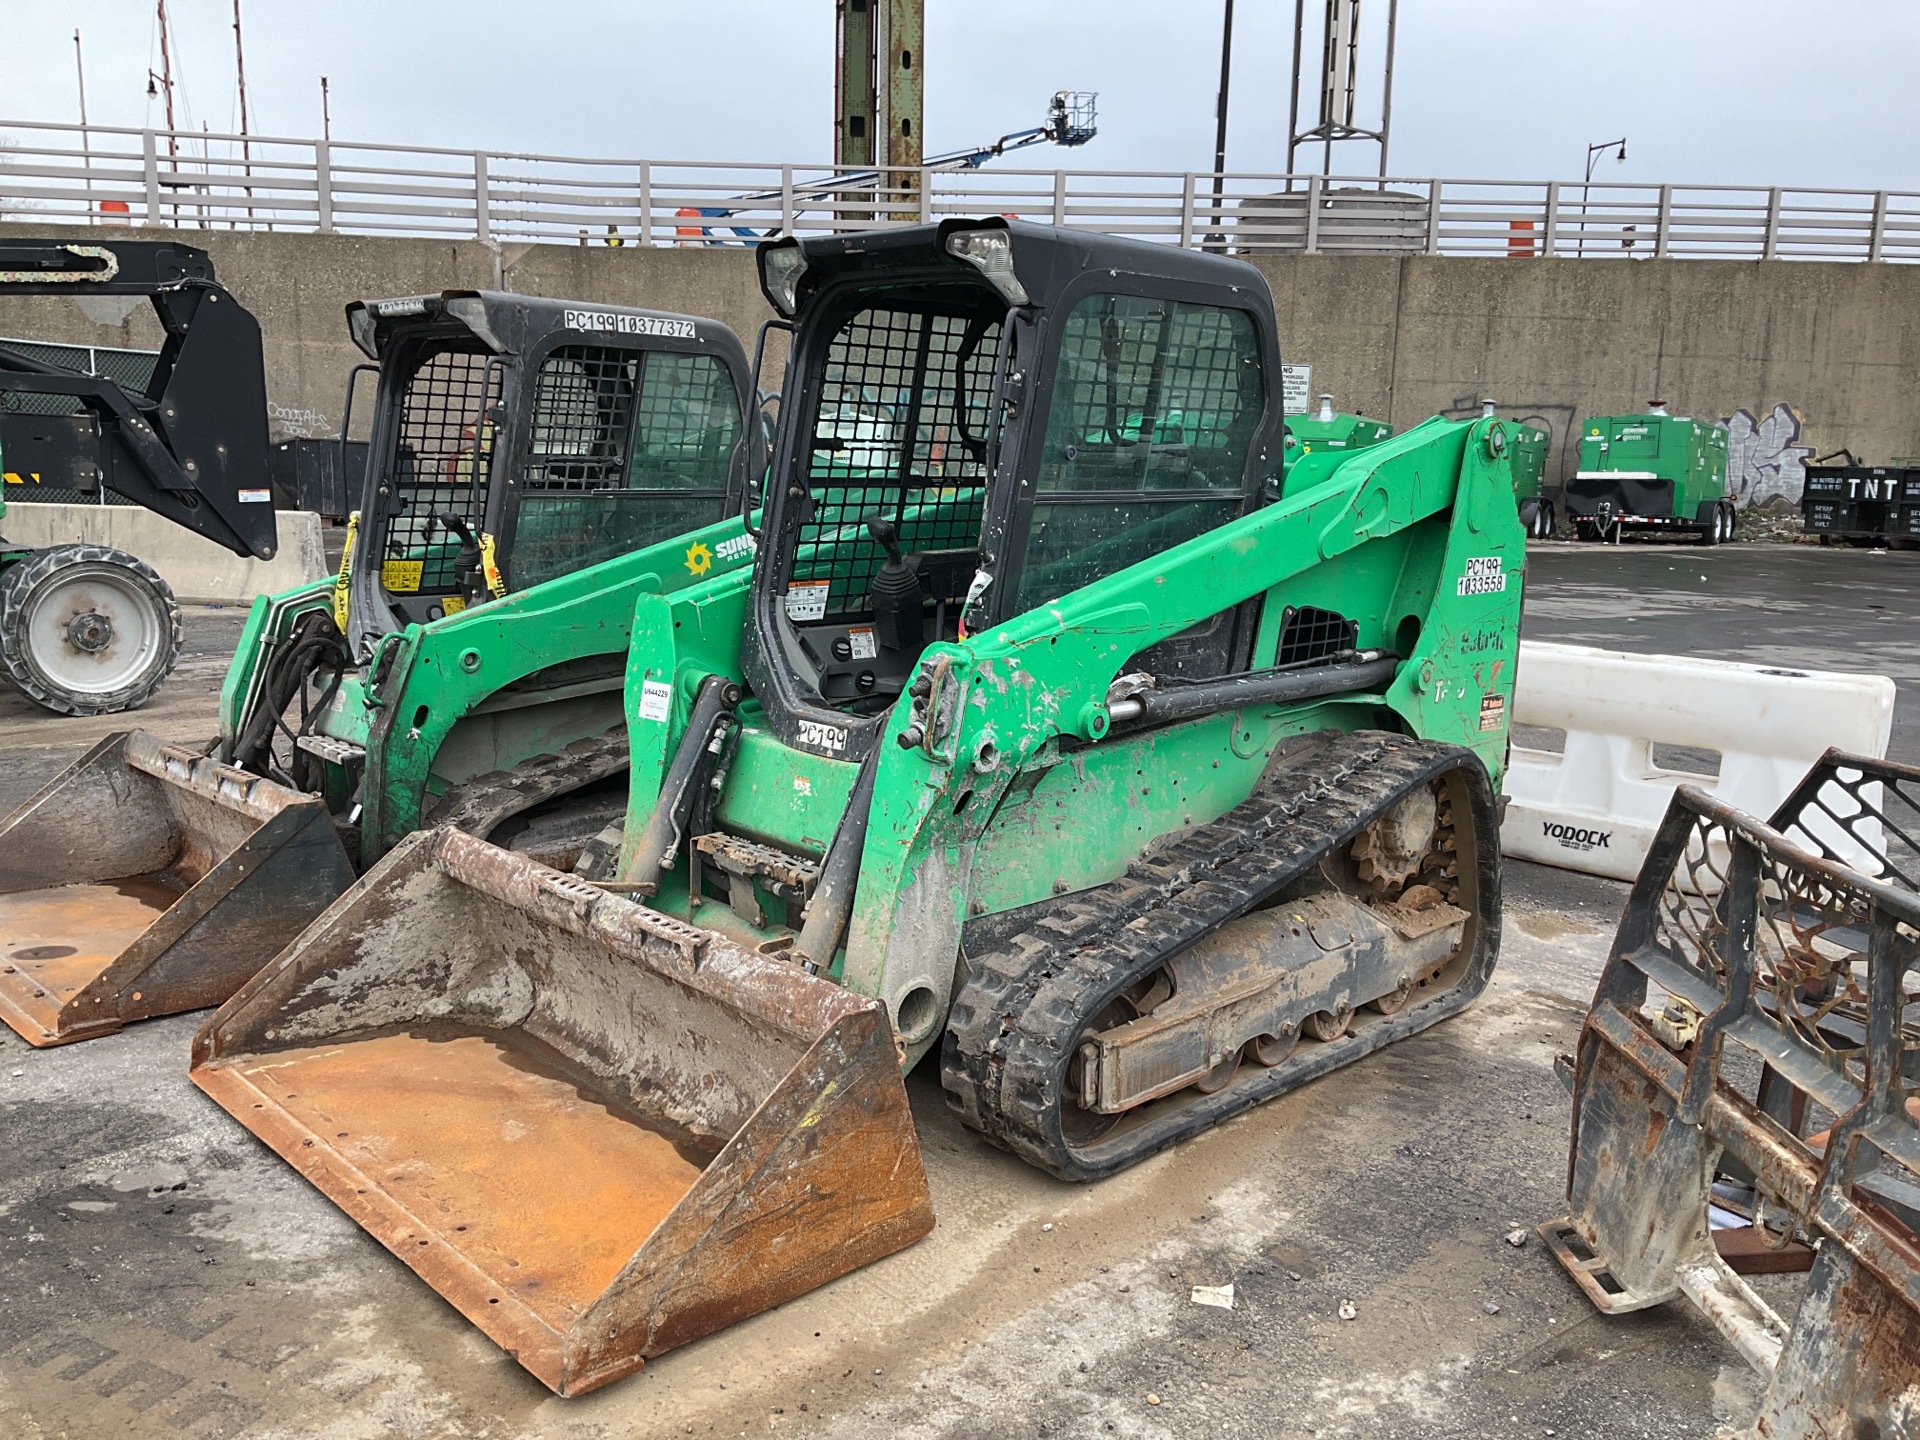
x: 1753, y: 1054
x: 596, y: 1130
x: 147, y: 880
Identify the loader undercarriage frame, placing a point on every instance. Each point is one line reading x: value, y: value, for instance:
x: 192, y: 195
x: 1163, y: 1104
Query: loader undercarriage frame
x: 1252, y: 912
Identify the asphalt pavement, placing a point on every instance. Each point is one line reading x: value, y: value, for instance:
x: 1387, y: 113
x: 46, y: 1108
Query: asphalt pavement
x: 162, y: 1274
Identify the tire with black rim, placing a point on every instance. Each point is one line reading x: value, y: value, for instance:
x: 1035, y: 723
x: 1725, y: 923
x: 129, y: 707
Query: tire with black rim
x: 87, y: 630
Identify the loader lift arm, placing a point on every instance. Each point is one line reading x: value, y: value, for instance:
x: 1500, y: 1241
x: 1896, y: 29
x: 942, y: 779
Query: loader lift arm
x: 193, y: 446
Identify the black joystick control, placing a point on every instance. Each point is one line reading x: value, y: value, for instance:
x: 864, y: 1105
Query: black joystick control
x: 894, y: 597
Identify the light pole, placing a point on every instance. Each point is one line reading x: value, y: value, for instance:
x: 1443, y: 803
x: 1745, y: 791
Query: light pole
x: 86, y: 145
x: 1586, y: 186
x: 1220, y: 130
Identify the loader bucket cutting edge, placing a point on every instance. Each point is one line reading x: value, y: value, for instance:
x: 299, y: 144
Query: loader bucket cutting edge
x: 598, y: 1131
x: 146, y: 880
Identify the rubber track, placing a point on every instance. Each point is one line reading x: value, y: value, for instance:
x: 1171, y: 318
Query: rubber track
x: 478, y: 805
x: 16, y: 588
x: 1006, y: 1049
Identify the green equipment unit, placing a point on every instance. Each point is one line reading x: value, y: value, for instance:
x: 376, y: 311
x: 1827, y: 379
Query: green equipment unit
x: 534, y: 465
x: 1317, y: 442
x: 1122, y: 772
x: 1326, y: 428
x: 1528, y: 445
x: 1654, y: 473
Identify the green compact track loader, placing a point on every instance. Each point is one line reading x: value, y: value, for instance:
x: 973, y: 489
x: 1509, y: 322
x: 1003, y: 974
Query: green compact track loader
x: 1062, y: 738
x: 534, y: 466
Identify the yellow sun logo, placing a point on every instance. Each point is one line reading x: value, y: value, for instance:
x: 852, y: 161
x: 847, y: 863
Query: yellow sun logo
x: 699, y: 558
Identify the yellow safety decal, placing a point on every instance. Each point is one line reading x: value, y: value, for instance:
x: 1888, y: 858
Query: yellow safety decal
x: 402, y: 576
x: 14, y: 477
x: 342, y: 588
x: 452, y: 605
x: 489, y: 567
x: 699, y: 558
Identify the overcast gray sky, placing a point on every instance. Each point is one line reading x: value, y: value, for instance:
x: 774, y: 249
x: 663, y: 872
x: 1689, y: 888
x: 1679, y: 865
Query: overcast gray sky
x: 1818, y: 92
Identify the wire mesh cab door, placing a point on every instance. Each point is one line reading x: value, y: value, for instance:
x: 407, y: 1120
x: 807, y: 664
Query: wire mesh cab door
x: 568, y: 447
x: 1154, y: 401
x: 435, y: 431
x: 622, y: 447
x: 1013, y: 440
x: 886, y: 424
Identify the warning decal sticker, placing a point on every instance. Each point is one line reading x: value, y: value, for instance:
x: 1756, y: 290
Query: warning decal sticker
x: 807, y: 600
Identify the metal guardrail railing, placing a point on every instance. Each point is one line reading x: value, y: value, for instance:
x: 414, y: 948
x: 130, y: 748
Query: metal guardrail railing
x: 106, y: 175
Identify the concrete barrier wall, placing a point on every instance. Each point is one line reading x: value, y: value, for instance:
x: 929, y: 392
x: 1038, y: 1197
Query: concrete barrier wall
x: 196, y: 568
x: 1801, y: 358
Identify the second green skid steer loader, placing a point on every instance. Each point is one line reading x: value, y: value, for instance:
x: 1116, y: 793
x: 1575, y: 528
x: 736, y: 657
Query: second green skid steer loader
x: 534, y: 464
x: 1060, y: 738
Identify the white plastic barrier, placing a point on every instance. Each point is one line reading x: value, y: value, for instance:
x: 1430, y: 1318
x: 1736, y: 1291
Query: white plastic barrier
x: 1595, y: 806
x: 194, y: 566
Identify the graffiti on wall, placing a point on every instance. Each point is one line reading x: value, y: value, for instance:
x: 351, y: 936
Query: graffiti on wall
x: 1765, y: 460
x: 292, y: 422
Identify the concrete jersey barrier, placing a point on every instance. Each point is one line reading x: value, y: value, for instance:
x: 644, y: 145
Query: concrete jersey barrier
x: 1595, y: 806
x: 195, y: 567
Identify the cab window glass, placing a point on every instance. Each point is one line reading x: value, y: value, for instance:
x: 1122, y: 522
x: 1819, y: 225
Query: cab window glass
x: 625, y: 449
x: 1154, y: 408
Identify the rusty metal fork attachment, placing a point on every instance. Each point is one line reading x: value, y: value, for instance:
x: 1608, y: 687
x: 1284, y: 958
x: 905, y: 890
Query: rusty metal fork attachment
x: 1789, y: 949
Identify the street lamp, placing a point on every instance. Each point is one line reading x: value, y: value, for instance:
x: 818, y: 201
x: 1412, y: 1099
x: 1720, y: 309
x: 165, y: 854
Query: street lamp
x: 1594, y: 152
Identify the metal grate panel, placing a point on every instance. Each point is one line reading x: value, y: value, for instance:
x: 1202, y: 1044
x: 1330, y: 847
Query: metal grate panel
x: 611, y: 470
x: 900, y: 434
x: 132, y: 369
x: 1308, y: 633
x: 443, y: 427
x: 582, y: 412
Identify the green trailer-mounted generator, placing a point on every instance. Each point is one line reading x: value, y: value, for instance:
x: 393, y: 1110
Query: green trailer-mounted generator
x: 534, y: 465
x: 1318, y: 442
x: 1064, y: 736
x: 1652, y: 473
x: 1326, y: 428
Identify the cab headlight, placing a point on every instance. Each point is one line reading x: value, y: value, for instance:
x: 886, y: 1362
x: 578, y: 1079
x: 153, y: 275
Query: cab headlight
x: 991, y: 253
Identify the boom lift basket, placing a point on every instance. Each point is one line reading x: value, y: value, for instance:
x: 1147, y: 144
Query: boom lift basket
x: 146, y: 880
x: 1750, y: 948
x: 598, y: 1131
